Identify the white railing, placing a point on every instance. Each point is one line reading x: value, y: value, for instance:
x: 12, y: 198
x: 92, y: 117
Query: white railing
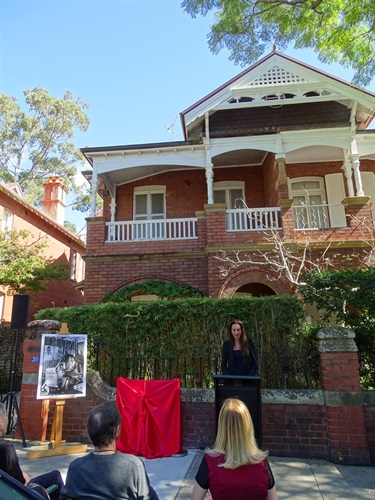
x: 253, y: 219
x: 157, y: 229
x: 312, y: 216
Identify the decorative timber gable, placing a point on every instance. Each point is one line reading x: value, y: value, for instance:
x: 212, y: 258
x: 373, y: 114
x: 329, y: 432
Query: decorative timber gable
x: 273, y: 83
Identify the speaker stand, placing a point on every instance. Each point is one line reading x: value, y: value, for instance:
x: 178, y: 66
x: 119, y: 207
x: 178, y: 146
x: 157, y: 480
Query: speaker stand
x: 12, y: 395
x: 13, y: 406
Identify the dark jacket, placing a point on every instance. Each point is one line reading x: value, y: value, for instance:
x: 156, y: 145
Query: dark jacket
x: 227, y: 364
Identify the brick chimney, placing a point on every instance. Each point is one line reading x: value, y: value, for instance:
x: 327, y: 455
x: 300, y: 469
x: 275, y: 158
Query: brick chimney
x: 54, y: 199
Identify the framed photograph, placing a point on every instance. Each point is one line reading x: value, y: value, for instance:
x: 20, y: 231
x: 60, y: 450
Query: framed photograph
x: 62, y: 366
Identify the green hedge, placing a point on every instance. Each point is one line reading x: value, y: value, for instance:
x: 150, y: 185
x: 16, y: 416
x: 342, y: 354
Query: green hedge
x: 194, y: 327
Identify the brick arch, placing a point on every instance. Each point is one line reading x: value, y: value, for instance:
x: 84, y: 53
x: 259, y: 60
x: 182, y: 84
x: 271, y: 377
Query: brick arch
x: 254, y: 275
x: 141, y: 280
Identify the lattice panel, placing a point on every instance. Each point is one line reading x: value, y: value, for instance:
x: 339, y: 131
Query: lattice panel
x: 277, y: 76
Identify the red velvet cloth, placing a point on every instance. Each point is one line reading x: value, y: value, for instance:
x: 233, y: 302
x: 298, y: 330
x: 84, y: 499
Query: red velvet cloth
x: 151, y: 417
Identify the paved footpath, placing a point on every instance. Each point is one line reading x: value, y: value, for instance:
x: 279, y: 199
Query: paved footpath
x: 296, y: 478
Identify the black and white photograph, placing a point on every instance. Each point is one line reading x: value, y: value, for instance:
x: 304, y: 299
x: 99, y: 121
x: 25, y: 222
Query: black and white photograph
x: 62, y: 368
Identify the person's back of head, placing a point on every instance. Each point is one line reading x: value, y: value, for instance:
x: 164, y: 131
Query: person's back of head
x: 235, y: 436
x: 103, y: 424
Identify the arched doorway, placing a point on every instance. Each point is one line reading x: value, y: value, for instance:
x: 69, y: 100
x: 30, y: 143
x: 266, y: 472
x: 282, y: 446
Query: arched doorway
x: 256, y: 282
x: 254, y: 290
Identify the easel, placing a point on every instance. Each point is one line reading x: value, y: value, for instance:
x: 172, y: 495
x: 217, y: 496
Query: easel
x: 56, y: 446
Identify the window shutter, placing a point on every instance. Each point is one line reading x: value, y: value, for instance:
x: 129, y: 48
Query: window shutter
x: 335, y: 195
x: 368, y: 183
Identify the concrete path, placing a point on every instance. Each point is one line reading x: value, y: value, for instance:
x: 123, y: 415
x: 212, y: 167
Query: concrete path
x: 296, y: 478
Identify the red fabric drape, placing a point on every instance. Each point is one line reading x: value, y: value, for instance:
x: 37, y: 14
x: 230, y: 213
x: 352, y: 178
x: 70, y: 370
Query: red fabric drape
x: 151, y: 417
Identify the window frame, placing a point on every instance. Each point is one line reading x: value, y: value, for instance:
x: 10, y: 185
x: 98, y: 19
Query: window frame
x: 149, y: 191
x: 228, y: 186
x: 307, y: 194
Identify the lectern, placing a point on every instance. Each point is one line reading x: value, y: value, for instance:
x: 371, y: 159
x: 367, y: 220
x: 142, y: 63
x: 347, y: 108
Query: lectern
x: 245, y: 388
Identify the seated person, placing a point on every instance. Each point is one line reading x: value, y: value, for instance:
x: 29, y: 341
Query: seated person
x: 106, y: 473
x: 70, y: 376
x: 235, y: 467
x: 9, y: 463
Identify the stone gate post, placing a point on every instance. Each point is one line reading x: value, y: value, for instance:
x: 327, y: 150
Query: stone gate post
x: 339, y: 369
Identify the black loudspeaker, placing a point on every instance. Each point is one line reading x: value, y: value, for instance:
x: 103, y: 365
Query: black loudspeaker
x: 20, y: 312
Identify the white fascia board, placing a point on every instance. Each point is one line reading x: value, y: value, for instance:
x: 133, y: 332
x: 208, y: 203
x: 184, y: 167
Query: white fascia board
x: 267, y: 143
x: 334, y: 137
x: 284, y: 142
x: 193, y: 156
x: 365, y: 144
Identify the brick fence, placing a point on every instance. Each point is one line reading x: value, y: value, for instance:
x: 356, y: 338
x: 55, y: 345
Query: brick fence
x: 336, y: 423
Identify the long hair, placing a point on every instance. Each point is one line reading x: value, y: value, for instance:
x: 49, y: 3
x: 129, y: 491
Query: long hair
x: 243, y: 340
x: 235, y: 437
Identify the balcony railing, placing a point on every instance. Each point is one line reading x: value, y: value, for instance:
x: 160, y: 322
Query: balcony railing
x: 158, y: 229
x: 315, y: 216
x: 253, y: 219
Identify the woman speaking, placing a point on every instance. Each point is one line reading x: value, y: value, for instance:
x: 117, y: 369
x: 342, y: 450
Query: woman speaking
x: 238, y: 356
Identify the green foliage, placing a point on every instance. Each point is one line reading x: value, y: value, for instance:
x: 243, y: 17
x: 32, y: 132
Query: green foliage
x: 23, y: 266
x: 37, y: 144
x: 163, y: 289
x: 348, y: 294
x: 347, y: 297
x: 194, y: 328
x: 70, y: 227
x: 337, y: 30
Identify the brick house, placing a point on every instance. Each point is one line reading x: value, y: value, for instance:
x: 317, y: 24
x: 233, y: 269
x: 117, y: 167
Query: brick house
x: 63, y: 246
x: 282, y: 145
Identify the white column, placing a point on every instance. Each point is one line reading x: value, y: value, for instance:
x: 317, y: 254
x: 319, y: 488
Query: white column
x: 94, y: 187
x: 209, y: 179
x: 113, y: 209
x: 347, y: 167
x: 357, y: 175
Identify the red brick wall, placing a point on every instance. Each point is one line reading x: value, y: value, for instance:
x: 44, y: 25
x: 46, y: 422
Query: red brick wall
x: 59, y: 248
x: 295, y: 430
x: 289, y: 430
x: 270, y: 178
x: 104, y: 276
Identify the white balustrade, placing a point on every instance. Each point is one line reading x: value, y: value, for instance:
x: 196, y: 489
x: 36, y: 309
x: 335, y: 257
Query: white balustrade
x: 253, y: 219
x: 150, y: 230
x: 312, y: 216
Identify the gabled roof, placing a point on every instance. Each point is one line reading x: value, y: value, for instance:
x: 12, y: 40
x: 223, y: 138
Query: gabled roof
x: 10, y: 193
x: 278, y: 80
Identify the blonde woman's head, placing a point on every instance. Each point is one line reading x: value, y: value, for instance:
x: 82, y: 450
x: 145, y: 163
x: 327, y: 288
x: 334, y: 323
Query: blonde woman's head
x: 235, y: 436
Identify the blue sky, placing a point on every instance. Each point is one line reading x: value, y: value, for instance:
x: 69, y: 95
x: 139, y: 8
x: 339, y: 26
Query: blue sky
x: 137, y: 64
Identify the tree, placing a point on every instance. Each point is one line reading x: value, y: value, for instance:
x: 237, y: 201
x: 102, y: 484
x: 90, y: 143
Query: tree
x: 23, y: 266
x: 37, y: 144
x: 348, y: 297
x: 306, y: 254
x: 338, y: 30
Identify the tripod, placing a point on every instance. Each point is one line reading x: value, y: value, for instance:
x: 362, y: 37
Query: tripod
x: 11, y: 397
